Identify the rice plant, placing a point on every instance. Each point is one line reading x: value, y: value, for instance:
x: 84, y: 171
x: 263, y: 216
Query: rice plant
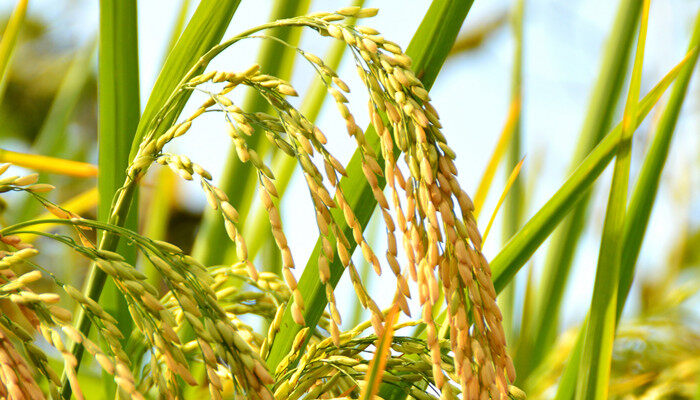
x: 233, y: 314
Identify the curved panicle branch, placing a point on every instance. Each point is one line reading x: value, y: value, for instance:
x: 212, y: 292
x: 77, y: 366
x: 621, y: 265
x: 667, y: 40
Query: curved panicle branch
x: 441, y: 243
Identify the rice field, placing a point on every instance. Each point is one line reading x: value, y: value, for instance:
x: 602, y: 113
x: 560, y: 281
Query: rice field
x: 109, y: 290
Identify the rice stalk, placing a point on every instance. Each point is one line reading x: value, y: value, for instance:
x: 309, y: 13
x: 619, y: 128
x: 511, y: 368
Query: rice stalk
x: 603, y: 100
x: 594, y: 372
x: 523, y: 244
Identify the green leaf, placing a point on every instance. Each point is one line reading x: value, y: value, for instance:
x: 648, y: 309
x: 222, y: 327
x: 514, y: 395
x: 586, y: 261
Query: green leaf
x: 640, y: 204
x: 177, y: 28
x: 596, y: 356
x: 646, y: 188
x: 118, y: 101
x: 513, y: 209
x: 428, y: 49
x: 521, y: 247
x: 563, y: 248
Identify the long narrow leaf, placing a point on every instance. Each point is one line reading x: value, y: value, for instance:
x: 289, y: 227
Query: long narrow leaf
x: 514, y: 203
x: 118, y: 101
x: 598, y: 118
x: 594, y: 373
x: 504, y: 140
x: 521, y: 247
x: 204, y: 30
x: 640, y: 205
x: 644, y: 194
x: 177, y: 28
x: 509, y: 184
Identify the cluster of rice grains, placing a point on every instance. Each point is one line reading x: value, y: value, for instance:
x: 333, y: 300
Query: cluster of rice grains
x: 24, y: 312
x: 442, y: 246
x: 191, y: 301
x: 436, y: 240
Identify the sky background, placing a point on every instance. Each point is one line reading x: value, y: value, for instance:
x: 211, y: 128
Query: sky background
x: 562, y: 52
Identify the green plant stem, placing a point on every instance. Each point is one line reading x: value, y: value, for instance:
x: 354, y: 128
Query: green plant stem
x: 646, y: 188
x: 521, y: 247
x: 561, y: 252
x: 596, y: 358
x: 201, y: 35
x: 640, y: 206
x: 118, y: 97
x: 428, y: 49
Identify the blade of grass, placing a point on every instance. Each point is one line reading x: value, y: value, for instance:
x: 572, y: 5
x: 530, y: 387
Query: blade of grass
x: 239, y: 180
x: 177, y: 28
x: 162, y: 199
x: 118, y: 101
x: 428, y: 49
x: 512, y: 213
x: 640, y: 205
x: 9, y: 41
x: 560, y: 254
x: 205, y: 29
x: 511, y: 180
x: 596, y: 356
x: 523, y: 244
x: 644, y: 194
x: 49, y: 164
